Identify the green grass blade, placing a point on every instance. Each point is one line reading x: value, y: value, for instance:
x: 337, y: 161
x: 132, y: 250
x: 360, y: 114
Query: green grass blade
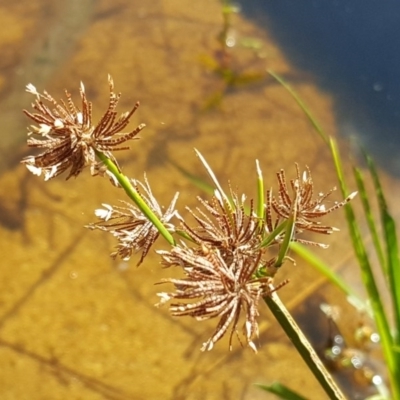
x: 325, y: 270
x: 370, y: 219
x: 393, y: 271
x: 368, y: 278
x: 392, y: 250
x: 280, y: 390
x: 392, y: 358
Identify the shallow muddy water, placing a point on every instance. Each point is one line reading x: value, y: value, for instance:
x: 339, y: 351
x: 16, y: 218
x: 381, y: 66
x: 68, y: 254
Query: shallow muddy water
x: 74, y: 323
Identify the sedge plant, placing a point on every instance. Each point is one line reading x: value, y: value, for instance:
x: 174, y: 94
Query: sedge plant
x: 221, y: 252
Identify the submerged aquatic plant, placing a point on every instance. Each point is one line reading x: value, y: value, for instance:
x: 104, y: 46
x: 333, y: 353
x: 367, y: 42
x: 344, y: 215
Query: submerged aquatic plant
x: 222, y: 258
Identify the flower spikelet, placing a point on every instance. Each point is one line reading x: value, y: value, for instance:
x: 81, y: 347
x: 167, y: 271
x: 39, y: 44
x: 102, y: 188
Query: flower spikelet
x: 226, y: 225
x: 135, y: 233
x: 68, y: 136
x: 302, y: 204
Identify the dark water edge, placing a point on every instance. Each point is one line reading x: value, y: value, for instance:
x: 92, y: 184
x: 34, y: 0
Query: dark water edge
x: 351, y: 48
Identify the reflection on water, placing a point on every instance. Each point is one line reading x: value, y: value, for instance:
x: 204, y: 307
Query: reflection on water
x: 351, y: 48
x: 69, y: 315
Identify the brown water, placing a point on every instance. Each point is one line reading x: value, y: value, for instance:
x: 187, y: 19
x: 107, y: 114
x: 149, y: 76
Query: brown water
x: 73, y: 323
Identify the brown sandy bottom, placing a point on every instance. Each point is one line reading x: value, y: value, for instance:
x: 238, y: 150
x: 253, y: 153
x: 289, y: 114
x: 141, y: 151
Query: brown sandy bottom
x: 73, y: 323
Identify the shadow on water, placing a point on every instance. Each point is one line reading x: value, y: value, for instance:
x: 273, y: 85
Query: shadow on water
x: 351, y: 48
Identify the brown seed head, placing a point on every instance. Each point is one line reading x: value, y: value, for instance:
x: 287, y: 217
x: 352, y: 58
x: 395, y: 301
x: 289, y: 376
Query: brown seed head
x: 69, y: 137
x: 214, y: 289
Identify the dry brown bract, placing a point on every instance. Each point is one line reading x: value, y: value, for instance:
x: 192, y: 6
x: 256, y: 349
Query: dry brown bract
x: 214, y: 289
x: 69, y: 137
x: 133, y: 230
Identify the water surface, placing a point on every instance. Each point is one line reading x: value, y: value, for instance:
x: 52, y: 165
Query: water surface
x: 73, y: 323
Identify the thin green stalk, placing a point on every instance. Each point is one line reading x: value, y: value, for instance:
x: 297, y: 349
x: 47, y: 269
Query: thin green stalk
x: 303, y: 346
x: 271, y: 237
x: 304, y: 108
x: 134, y: 196
x: 290, y: 224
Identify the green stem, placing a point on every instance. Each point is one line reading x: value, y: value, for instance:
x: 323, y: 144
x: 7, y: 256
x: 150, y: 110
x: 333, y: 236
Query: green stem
x: 289, y: 231
x: 134, y: 196
x: 303, y: 346
x: 276, y: 232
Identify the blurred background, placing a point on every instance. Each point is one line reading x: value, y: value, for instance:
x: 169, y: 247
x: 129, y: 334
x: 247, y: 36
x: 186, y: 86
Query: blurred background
x: 74, y: 323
